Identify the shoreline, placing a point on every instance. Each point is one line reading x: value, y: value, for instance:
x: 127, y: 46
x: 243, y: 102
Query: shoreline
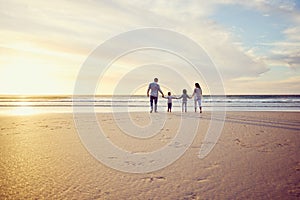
x: 5, y: 114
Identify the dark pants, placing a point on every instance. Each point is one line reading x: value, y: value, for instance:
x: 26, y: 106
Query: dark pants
x: 169, y: 107
x: 153, y: 98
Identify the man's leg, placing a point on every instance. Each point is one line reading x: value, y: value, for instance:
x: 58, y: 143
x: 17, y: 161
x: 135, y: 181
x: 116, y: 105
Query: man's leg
x: 155, y: 104
x: 151, y: 103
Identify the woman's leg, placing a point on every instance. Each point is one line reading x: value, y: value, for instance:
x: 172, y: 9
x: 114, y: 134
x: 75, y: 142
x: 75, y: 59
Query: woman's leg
x: 200, y: 106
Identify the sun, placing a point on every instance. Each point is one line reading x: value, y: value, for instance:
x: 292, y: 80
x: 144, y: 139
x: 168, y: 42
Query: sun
x: 24, y: 75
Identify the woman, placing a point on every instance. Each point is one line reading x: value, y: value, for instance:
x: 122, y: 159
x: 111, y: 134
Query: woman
x: 197, y: 96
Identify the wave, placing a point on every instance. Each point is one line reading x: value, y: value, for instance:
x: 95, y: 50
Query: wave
x: 231, y: 102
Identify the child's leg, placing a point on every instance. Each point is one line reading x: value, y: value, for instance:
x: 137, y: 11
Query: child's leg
x: 169, y: 107
x: 195, y: 105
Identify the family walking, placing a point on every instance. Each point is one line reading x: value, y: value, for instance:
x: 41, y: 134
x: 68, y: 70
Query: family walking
x: 154, y: 88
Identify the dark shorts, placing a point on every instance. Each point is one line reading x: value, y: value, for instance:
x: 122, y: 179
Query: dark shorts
x: 169, y: 105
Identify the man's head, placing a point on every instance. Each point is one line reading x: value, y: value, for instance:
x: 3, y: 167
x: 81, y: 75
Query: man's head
x: 156, y: 80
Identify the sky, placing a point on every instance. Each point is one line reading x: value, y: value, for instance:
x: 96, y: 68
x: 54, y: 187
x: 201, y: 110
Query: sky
x: 253, y: 45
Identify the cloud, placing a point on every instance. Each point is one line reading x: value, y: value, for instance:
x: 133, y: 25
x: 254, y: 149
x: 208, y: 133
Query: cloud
x: 289, y: 85
x: 265, y: 5
x: 285, y: 52
x: 71, y: 30
x: 191, y: 19
x: 281, y: 51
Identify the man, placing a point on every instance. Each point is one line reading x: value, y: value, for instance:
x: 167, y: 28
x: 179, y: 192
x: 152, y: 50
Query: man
x: 155, y: 88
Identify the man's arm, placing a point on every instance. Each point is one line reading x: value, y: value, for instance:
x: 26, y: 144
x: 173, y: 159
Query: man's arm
x: 148, y: 91
x: 161, y: 91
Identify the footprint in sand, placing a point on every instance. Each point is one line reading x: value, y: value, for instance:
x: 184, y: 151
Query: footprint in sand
x: 239, y: 142
x: 134, y: 163
x: 151, y: 179
x: 212, y: 166
x: 202, y: 180
x: 112, y: 157
x: 190, y: 195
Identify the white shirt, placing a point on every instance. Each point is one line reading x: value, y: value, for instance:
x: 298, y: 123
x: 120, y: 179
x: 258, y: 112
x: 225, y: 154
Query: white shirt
x: 170, y: 98
x: 197, y: 93
x: 154, y: 87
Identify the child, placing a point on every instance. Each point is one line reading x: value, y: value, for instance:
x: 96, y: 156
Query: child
x: 169, y: 97
x: 184, y: 97
x: 197, y: 96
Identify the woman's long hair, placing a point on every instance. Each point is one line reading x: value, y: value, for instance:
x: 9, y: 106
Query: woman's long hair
x: 197, y: 85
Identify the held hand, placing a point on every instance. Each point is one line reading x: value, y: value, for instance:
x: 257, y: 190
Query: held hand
x: 147, y: 95
x: 163, y: 95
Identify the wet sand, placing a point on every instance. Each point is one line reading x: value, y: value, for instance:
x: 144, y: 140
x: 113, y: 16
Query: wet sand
x: 256, y: 157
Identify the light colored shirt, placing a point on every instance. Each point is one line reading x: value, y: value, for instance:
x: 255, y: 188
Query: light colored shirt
x: 170, y: 98
x: 197, y: 93
x: 184, y: 97
x: 155, y: 88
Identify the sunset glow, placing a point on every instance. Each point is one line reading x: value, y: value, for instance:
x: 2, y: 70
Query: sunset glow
x: 255, y: 45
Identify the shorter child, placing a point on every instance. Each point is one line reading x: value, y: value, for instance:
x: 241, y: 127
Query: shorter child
x: 184, y: 98
x: 169, y: 97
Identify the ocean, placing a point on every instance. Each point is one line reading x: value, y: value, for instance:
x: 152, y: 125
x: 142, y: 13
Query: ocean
x: 21, y: 105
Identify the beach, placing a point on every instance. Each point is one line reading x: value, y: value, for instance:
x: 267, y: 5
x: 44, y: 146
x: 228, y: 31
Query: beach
x: 256, y: 157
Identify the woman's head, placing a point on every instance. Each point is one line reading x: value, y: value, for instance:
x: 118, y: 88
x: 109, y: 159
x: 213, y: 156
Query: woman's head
x: 197, y: 85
